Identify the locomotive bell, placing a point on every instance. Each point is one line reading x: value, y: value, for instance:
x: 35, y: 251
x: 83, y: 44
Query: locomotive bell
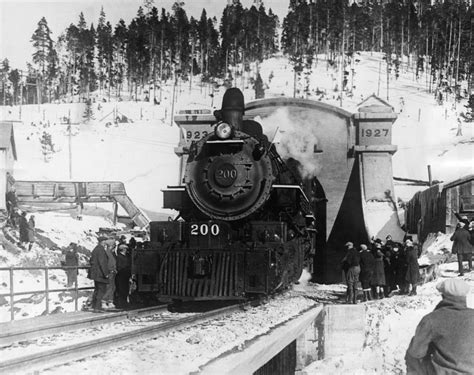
x: 233, y: 107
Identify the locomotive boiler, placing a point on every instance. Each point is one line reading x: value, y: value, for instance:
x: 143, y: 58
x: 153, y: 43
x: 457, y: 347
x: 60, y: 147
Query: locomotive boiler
x: 245, y: 225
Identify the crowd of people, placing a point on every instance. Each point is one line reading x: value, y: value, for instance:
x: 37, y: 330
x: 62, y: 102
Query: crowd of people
x: 110, y: 269
x: 382, y: 269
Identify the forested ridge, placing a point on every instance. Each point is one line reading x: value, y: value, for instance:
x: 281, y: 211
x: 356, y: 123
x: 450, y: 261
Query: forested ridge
x: 433, y: 37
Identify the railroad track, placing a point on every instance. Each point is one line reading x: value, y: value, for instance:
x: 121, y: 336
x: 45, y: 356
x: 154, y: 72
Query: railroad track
x: 78, y: 320
x: 61, y: 354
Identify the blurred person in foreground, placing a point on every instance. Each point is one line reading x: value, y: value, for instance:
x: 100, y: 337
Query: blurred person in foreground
x: 443, y: 341
x: 99, y: 272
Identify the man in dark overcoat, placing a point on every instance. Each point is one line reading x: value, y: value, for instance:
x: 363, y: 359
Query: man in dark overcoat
x: 23, y: 224
x: 123, y: 276
x: 413, y: 268
x: 443, y: 341
x: 398, y: 263
x: 462, y: 246
x: 72, y: 260
x: 99, y: 272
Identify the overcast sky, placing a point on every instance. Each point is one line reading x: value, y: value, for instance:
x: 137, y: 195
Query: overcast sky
x: 19, y: 18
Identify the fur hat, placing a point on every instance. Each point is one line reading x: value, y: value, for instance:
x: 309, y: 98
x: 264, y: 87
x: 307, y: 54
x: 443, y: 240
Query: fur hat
x: 453, y: 287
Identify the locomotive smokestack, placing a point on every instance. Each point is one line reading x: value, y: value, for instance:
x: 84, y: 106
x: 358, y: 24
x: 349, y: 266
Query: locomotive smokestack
x: 233, y: 108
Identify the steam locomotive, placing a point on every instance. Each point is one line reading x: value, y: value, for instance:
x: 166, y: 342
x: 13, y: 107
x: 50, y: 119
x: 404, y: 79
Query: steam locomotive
x: 245, y: 225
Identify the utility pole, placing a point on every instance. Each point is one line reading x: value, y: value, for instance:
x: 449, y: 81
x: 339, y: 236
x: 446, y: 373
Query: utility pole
x: 173, y: 97
x: 70, y: 144
x: 342, y: 52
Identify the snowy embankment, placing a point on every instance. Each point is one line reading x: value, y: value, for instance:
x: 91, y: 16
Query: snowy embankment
x: 391, y: 323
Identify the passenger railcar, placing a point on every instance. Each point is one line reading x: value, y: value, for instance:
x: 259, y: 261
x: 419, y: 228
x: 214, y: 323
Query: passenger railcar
x: 245, y: 225
x: 439, y: 208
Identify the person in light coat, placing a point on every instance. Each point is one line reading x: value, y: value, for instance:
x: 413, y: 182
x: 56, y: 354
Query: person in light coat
x: 367, y: 268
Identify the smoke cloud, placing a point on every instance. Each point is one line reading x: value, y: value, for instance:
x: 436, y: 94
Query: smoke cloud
x: 294, y: 137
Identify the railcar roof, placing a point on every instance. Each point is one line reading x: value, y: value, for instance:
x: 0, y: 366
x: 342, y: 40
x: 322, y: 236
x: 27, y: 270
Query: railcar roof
x: 459, y: 181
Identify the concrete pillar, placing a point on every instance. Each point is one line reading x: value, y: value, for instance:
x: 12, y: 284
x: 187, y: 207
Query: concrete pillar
x: 374, y: 147
x: 307, y: 344
x: 374, y: 151
x: 344, y: 329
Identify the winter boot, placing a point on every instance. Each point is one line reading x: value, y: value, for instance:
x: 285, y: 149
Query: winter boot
x: 366, y: 296
x: 413, y: 291
x: 354, y: 295
x: 374, y: 292
x: 350, y: 294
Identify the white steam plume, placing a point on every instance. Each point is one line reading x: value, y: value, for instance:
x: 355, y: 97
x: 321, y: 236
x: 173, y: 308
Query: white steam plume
x: 294, y: 137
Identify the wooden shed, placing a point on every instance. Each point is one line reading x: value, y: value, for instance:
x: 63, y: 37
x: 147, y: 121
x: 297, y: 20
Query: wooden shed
x: 7, y: 158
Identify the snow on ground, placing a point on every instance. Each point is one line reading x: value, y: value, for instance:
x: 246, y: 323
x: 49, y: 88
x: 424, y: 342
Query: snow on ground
x: 55, y: 231
x: 183, y: 351
x: 140, y: 153
x: 391, y: 323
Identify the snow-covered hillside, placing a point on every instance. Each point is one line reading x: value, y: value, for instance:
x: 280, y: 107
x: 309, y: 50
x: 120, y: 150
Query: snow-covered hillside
x: 140, y: 153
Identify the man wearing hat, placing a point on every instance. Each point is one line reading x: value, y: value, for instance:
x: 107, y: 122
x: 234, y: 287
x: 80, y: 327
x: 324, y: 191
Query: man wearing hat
x: 444, y: 340
x: 351, y: 267
x: 462, y: 246
x: 99, y: 272
x: 413, y: 269
x: 109, y: 246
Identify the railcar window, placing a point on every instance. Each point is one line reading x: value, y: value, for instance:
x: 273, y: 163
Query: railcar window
x: 467, y: 203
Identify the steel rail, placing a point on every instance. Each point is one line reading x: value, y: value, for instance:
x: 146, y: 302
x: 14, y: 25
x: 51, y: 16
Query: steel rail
x: 25, y: 332
x: 69, y: 353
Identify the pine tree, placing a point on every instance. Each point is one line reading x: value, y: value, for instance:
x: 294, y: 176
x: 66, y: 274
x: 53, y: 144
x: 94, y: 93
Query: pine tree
x: 14, y: 78
x: 4, y: 70
x: 47, y: 146
x: 258, y: 87
x: 104, y: 50
x: 43, y: 57
x: 120, y: 39
x: 88, y: 113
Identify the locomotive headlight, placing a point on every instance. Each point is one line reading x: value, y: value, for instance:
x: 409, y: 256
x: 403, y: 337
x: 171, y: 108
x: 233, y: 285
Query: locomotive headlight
x: 223, y: 130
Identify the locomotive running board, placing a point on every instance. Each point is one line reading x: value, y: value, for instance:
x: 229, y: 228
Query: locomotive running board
x: 297, y: 187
